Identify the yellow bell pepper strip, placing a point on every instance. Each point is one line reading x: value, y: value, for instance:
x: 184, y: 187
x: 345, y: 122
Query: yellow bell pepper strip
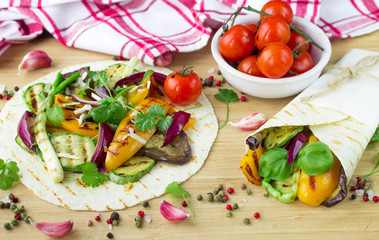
x: 249, y: 165
x: 313, y: 190
x: 139, y: 93
x: 339, y: 193
x: 189, y: 124
x: 127, y: 139
x: 284, y: 190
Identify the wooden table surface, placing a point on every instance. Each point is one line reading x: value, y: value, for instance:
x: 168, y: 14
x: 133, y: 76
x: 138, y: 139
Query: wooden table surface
x: 349, y: 219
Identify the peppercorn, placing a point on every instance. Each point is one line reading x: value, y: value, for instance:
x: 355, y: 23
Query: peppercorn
x: 114, y: 58
x: 218, y: 83
x: 2, y: 205
x: 265, y: 194
x: 7, y: 226
x: 16, y: 88
x: 141, y: 213
x: 246, y: 221
x: 7, y: 205
x: 7, y: 97
x: 109, y: 221
x: 358, y: 179
x: 366, y: 180
x: 365, y: 198
x: 229, y: 207
x: 5, y: 93
x: 10, y: 196
x: 360, y: 186
x: 221, y: 193
x: 17, y: 216
x: 218, y: 198
x: 184, y: 204
x: 216, y: 190
x: 17, y: 211
x: 97, y: 218
x: 230, y: 190
x: 110, y: 235
x: 28, y: 219
x: 375, y: 199
x: 199, y: 197
x: 11, y: 93
x: 243, y: 186
x: 226, y: 197
x: 14, y: 222
x: 243, y: 99
x: 115, y: 216
x: 229, y: 213
x: 257, y: 215
x: 235, y: 206
x: 1, y: 96
x: 115, y: 222
x: 90, y: 223
x: 353, y: 197
x: 221, y: 187
x: 138, y: 224
x: 248, y: 191
x: 23, y: 215
x: 223, y: 199
x: 22, y: 209
x: 13, y: 207
x: 138, y: 218
x: 218, y: 72
x: 145, y: 204
x: 210, y: 197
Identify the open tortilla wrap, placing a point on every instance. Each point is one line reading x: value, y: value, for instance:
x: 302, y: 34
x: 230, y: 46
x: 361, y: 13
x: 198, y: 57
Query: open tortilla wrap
x: 72, y: 193
x: 344, y: 119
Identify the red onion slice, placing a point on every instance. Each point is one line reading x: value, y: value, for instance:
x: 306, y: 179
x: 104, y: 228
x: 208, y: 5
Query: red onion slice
x: 23, y: 130
x: 81, y: 100
x: 137, y: 77
x: 105, y: 139
x: 178, y: 122
x: 297, y: 143
x: 172, y: 213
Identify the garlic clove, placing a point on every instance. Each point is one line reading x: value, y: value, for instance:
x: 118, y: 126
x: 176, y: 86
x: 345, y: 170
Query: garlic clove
x: 55, y: 230
x: 251, y: 122
x: 34, y: 60
x: 172, y: 213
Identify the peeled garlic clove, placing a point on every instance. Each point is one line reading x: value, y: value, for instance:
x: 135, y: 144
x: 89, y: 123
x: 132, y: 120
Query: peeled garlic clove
x: 172, y: 213
x: 251, y: 122
x: 55, y: 230
x: 34, y: 60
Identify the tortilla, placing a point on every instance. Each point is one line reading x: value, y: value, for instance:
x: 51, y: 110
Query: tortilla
x: 72, y: 193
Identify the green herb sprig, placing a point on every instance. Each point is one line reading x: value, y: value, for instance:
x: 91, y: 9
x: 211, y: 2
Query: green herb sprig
x: 8, y: 174
x: 227, y: 96
x: 154, y: 116
x: 91, y: 176
x: 54, y: 114
x: 177, y: 191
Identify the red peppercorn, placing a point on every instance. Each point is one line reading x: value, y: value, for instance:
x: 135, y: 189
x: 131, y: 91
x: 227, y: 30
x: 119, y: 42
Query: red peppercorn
x: 7, y: 97
x: 257, y: 215
x: 141, y: 213
x: 226, y: 197
x: 375, y: 199
x: 230, y: 190
x: 243, y: 99
x: 97, y: 218
x: 211, y: 77
x: 14, y: 199
x: 1, y: 96
x: 17, y: 216
x: 109, y: 220
x: 184, y: 204
x: 353, y: 188
x: 359, y: 179
x: 218, y: 83
x: 229, y: 207
x: 365, y: 198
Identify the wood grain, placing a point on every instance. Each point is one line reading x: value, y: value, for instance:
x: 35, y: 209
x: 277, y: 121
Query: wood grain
x: 348, y: 220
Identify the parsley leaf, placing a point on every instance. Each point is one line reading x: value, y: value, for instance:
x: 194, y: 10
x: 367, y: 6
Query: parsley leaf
x: 164, y: 123
x: 177, y: 191
x: 375, y: 138
x: 156, y: 111
x: 54, y: 114
x: 8, y: 174
x: 227, y: 96
x: 153, y: 117
x: 117, y: 113
x: 144, y: 122
x: 91, y: 176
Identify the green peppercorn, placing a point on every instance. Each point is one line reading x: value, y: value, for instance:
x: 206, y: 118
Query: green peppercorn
x: 243, y: 186
x: 210, y: 197
x: 2, y: 205
x: 138, y: 224
x: 22, y: 208
x: 14, y: 222
x: 145, y: 204
x: 10, y: 196
x: 246, y: 221
x: 5, y: 93
x: 7, y: 226
x: 248, y: 191
x: 138, y: 218
x: 28, y: 219
x: 218, y: 72
x: 221, y: 186
x: 7, y: 205
x: 199, y: 197
x: 115, y: 222
x: 218, y: 198
x: 366, y: 180
x: 235, y: 206
x: 16, y: 88
x: 265, y: 194
x: 229, y: 213
x: 11, y: 93
x: 13, y: 207
x: 23, y: 215
x: 221, y: 193
x: 114, y: 58
x: 216, y: 190
x: 17, y: 211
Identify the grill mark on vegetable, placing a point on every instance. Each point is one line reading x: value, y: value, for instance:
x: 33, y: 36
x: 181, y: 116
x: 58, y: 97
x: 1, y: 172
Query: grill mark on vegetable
x: 142, y: 184
x: 312, y: 183
x: 123, y: 203
x: 80, y: 182
x: 34, y: 102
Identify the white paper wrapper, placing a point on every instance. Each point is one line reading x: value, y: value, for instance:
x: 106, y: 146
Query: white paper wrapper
x: 344, y: 119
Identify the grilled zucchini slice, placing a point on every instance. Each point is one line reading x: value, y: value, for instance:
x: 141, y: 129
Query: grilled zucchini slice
x: 278, y: 136
x: 132, y: 170
x: 32, y: 98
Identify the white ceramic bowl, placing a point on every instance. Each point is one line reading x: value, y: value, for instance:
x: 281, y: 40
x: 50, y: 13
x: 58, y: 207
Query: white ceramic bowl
x: 282, y: 87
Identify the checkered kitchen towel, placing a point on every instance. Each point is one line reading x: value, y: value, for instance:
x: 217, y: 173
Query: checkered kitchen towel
x: 152, y: 29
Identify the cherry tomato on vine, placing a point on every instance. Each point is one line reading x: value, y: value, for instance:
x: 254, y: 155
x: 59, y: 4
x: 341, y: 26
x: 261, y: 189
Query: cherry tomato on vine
x: 275, y: 60
x: 302, y: 64
x: 272, y: 29
x: 183, y: 87
x: 278, y: 8
x: 249, y: 66
x: 237, y: 43
x: 253, y: 27
x: 297, y: 39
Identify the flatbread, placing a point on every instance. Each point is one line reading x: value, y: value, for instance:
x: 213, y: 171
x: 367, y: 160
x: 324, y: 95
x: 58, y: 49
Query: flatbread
x: 75, y: 195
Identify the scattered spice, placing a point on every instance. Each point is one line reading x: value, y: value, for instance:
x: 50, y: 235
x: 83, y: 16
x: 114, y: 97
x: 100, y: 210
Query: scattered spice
x: 17, y: 217
x: 218, y: 83
x: 221, y: 187
x: 216, y: 190
x: 14, y: 222
x: 248, y: 191
x: 375, y: 199
x: 110, y: 235
x: 13, y: 207
x: 2, y: 205
x: 365, y: 198
x: 10, y: 196
x: 218, y: 72
x: 218, y: 198
x: 7, y: 226
x: 7, y: 205
x: 138, y: 221
x: 235, y: 206
x: 114, y: 58
x: 246, y: 221
x: 120, y: 58
x: 97, y: 218
x: 115, y: 222
x: 1, y: 96
x: 353, y: 197
x: 199, y: 197
x: 184, y: 204
x: 145, y: 204
x: 141, y: 213
x: 359, y: 179
x: 230, y: 190
x: 210, y: 197
x: 14, y: 199
x: 229, y: 207
x: 243, y: 186
x: 90, y: 223
x: 243, y: 99
x: 226, y: 197
x: 257, y: 215
x: 109, y: 220
x: 7, y: 97
x: 221, y: 193
x: 223, y: 199
x: 115, y: 216
x: 229, y: 213
x: 16, y: 88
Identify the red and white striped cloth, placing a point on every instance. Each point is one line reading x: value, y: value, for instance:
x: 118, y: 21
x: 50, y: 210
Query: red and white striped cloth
x: 152, y: 29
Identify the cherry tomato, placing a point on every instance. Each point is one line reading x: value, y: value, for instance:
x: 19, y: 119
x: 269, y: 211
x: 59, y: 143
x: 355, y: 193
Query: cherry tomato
x: 272, y: 29
x: 237, y: 43
x: 183, y: 87
x: 249, y: 66
x: 275, y: 60
x: 303, y: 63
x: 297, y: 39
x: 253, y: 27
x: 278, y: 8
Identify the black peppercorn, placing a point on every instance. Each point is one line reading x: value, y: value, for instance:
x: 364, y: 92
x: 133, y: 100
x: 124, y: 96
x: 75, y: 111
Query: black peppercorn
x: 16, y: 88
x: 145, y: 204
x: 115, y: 216
x: 110, y: 235
x: 353, y: 197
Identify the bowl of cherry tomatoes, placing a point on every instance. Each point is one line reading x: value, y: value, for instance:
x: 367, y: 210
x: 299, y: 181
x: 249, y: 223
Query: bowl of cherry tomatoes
x: 273, y: 61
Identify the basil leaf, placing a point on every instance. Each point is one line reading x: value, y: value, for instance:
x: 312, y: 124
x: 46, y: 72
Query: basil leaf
x: 315, y: 158
x: 274, y: 164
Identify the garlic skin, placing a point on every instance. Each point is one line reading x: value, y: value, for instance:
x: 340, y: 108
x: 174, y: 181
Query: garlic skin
x: 172, y: 213
x: 34, y: 60
x: 55, y: 230
x: 251, y: 122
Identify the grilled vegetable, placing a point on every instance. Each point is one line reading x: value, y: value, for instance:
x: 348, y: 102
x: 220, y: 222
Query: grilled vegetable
x: 89, y: 129
x: 73, y: 150
x: 21, y: 143
x: 339, y: 193
x: 132, y: 170
x: 250, y: 163
x: 128, y: 140
x: 278, y: 136
x: 32, y: 98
